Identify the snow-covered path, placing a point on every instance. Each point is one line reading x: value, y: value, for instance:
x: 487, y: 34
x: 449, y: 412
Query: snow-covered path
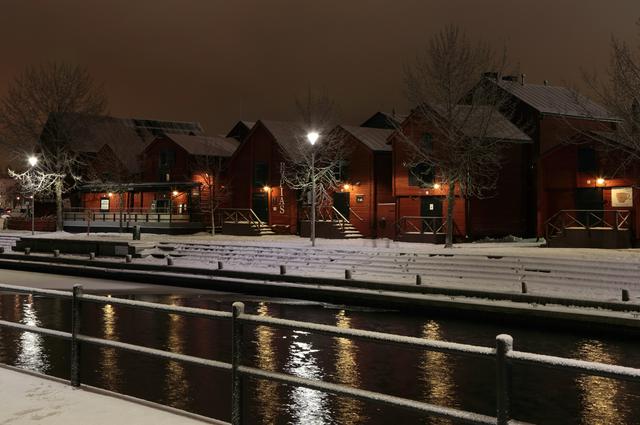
x: 27, y: 399
x: 595, y: 274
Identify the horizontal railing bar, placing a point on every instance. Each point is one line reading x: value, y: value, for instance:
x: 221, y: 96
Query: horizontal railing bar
x: 35, y: 291
x: 432, y: 345
x: 35, y: 329
x: 339, y: 389
x: 587, y: 367
x: 154, y: 352
x: 165, y: 308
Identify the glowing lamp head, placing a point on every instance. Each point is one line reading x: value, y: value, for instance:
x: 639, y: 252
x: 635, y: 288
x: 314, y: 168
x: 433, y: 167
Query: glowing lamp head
x: 312, y: 137
x: 110, y: 194
x: 347, y: 186
x: 436, y: 186
x: 33, y: 160
x: 174, y: 193
x: 266, y: 188
x: 600, y: 181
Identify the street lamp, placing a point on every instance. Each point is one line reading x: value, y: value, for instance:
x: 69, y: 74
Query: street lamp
x: 33, y: 160
x: 312, y: 137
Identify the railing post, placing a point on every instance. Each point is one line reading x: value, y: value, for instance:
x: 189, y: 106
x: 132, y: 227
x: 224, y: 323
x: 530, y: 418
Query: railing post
x: 236, y: 359
x: 504, y: 344
x: 75, y: 331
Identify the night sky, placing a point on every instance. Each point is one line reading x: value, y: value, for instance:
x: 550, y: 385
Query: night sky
x: 219, y: 61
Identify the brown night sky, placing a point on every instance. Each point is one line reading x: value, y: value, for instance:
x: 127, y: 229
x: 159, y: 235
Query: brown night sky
x: 218, y: 61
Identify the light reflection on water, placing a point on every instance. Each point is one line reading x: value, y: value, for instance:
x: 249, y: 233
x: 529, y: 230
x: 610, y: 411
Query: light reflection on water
x: 439, y: 387
x: 266, y: 358
x: 111, y: 371
x: 349, y: 410
x: 600, y: 397
x: 306, y: 406
x: 176, y: 383
x: 30, y: 350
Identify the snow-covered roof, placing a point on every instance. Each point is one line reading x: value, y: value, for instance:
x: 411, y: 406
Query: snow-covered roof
x: 374, y: 138
x: 206, y: 145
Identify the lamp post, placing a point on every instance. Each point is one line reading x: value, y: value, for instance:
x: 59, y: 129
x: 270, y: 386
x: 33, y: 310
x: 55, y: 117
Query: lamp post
x: 33, y: 160
x: 312, y: 137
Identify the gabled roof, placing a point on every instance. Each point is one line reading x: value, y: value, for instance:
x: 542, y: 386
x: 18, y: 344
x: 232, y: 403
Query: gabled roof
x: 126, y: 137
x: 374, y: 138
x: 385, y: 120
x: 487, y: 122
x: 555, y: 100
x: 206, y: 145
x: 241, y: 129
x: 288, y: 134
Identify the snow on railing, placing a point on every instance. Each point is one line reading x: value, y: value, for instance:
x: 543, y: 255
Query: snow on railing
x: 503, y: 354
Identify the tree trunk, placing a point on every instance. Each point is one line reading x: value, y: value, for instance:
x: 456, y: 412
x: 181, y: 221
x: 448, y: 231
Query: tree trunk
x: 120, y: 209
x: 213, y: 221
x: 59, y: 218
x: 451, y: 199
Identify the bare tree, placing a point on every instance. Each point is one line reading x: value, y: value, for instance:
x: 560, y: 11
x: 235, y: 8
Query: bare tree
x: 619, y: 92
x: 321, y: 162
x: 210, y: 169
x: 458, y: 116
x: 38, y: 114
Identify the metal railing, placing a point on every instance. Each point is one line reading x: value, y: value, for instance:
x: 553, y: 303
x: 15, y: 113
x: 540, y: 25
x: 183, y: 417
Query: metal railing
x: 355, y: 214
x: 586, y: 220
x: 241, y: 215
x: 503, y: 354
x: 422, y: 225
x: 327, y: 213
x: 162, y: 215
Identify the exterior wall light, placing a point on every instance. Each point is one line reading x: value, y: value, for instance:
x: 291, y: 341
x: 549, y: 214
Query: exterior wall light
x: 436, y: 186
x: 266, y: 188
x: 600, y: 181
x: 347, y: 186
x: 110, y: 194
x: 174, y: 193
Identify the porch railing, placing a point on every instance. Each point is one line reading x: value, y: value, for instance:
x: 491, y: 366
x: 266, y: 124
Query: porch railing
x: 587, y: 219
x: 502, y: 354
x: 241, y: 215
x: 327, y: 213
x: 139, y: 215
x: 422, y: 225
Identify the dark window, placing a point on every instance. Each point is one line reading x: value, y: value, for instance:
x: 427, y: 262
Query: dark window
x: 587, y: 162
x: 421, y: 175
x: 260, y: 174
x: 426, y: 143
x: 342, y: 171
x: 167, y: 158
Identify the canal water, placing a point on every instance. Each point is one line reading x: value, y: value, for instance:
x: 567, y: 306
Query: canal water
x: 540, y: 395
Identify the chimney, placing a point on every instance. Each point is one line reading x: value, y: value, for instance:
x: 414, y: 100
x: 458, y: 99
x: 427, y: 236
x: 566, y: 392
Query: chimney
x: 546, y: 82
x: 522, y: 76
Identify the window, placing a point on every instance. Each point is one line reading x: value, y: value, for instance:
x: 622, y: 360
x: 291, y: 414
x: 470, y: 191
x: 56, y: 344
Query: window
x: 104, y: 204
x: 260, y: 174
x: 426, y: 143
x: 587, y: 161
x: 341, y: 172
x: 421, y: 175
x: 167, y: 158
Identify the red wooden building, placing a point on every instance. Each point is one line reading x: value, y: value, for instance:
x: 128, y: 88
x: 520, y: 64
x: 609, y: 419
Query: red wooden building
x: 420, y: 203
x: 262, y: 203
x: 366, y: 198
x: 571, y: 173
x: 143, y: 172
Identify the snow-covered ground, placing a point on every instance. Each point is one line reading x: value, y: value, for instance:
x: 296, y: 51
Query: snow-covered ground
x: 28, y: 399
x: 492, y: 266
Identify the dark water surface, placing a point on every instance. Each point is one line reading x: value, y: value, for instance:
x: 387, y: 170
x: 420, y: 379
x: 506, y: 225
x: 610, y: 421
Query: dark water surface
x: 540, y: 395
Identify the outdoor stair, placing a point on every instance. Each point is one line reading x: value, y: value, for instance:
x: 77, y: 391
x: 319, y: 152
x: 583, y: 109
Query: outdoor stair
x: 348, y: 231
